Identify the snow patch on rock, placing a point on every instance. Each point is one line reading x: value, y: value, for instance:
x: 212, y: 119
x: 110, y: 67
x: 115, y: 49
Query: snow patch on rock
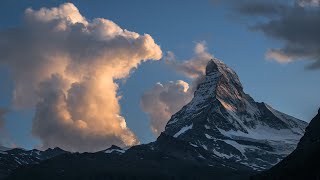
x: 183, y: 130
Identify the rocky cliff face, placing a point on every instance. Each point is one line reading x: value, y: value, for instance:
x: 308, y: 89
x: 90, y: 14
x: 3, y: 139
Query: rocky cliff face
x: 224, y: 120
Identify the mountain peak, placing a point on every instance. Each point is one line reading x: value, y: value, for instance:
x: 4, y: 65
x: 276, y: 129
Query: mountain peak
x: 216, y: 65
x: 222, y: 78
x: 212, y: 66
x: 114, y: 149
x: 226, y: 121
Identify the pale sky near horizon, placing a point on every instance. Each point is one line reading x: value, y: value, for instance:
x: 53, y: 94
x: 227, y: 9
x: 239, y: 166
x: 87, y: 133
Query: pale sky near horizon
x: 175, y: 26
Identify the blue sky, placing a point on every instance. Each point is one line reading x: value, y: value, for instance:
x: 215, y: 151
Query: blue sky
x: 177, y: 27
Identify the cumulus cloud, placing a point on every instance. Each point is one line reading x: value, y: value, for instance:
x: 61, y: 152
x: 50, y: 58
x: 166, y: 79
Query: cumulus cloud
x: 164, y: 100
x: 294, y: 23
x: 66, y: 66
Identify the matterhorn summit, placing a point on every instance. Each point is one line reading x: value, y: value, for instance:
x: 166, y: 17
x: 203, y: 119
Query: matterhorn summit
x: 224, y: 120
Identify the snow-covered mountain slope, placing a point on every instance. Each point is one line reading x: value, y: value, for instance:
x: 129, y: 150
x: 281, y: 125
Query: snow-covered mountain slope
x: 224, y: 120
x: 303, y: 162
x: 11, y: 159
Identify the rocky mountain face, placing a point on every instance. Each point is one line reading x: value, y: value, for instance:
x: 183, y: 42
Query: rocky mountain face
x: 11, y: 159
x: 221, y: 134
x: 224, y: 120
x: 304, y: 161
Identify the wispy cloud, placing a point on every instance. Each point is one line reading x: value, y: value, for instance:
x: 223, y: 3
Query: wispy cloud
x: 294, y: 23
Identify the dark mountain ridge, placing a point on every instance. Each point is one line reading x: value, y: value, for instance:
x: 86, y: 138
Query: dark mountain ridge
x: 166, y: 158
x: 11, y: 159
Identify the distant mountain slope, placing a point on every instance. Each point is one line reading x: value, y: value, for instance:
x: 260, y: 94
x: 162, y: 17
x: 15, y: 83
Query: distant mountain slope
x: 11, y: 159
x: 304, y: 161
x: 229, y: 123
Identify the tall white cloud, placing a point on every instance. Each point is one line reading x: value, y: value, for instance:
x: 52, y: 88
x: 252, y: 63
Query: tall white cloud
x: 67, y: 65
x: 163, y: 100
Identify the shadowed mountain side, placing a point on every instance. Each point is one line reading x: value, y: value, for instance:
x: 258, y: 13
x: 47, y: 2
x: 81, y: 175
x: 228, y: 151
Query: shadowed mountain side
x: 303, y: 162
